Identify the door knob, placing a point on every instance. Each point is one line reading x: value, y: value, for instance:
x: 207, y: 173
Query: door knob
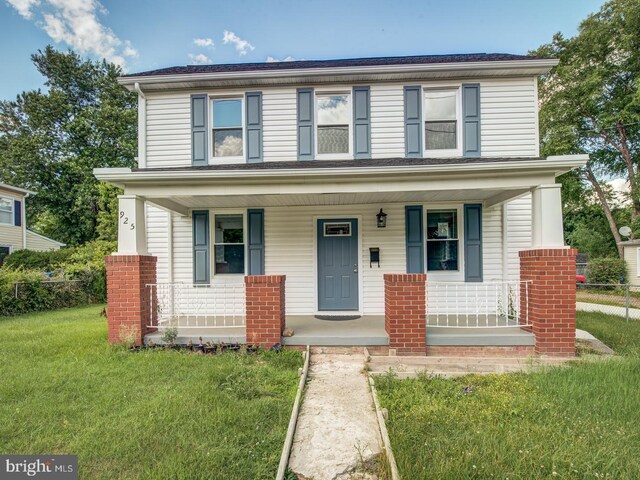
x: 355, y: 268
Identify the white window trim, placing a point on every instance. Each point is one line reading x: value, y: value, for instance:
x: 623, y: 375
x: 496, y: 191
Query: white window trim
x: 213, y: 160
x: 446, y: 275
x: 12, y: 220
x: 212, y: 235
x: 332, y: 156
x: 453, y: 152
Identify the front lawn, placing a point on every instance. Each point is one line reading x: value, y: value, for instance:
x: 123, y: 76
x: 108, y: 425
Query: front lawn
x: 572, y: 422
x: 151, y: 414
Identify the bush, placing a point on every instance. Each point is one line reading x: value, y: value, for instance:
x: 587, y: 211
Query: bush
x: 23, y: 291
x: 606, y: 270
x: 78, y: 276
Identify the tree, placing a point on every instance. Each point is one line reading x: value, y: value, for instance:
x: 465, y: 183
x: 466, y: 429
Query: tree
x: 590, y: 102
x: 51, y: 141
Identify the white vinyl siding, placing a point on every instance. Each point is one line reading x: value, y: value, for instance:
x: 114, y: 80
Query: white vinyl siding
x: 296, y: 259
x: 387, y: 121
x: 168, y: 130
x: 631, y: 253
x: 279, y: 120
x: 509, y: 117
x: 40, y: 243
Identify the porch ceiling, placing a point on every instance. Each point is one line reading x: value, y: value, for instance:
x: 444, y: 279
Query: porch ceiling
x: 487, y: 196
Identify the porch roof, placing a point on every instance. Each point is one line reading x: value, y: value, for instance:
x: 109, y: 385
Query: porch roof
x: 487, y: 180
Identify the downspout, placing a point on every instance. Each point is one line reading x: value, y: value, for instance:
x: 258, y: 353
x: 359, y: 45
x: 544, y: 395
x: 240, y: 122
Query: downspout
x: 505, y: 242
x: 170, y: 247
x: 142, y: 127
x: 24, y: 221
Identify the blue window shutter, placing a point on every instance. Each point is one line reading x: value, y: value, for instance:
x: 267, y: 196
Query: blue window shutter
x: 199, y: 130
x: 201, y: 247
x: 306, y: 117
x: 255, y: 222
x: 471, y: 119
x: 361, y: 122
x: 414, y: 238
x: 17, y: 213
x: 413, y: 122
x: 254, y: 127
x: 473, y: 242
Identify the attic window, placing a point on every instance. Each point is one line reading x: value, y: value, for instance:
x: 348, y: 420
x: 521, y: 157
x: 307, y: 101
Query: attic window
x: 227, y: 127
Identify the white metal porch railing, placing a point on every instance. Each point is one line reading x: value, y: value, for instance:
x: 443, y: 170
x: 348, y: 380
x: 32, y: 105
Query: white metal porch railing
x: 478, y: 305
x: 184, y: 305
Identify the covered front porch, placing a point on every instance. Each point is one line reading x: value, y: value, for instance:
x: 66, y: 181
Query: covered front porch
x: 213, y: 229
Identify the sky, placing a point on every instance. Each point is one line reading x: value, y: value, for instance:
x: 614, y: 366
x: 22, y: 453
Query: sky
x: 141, y: 35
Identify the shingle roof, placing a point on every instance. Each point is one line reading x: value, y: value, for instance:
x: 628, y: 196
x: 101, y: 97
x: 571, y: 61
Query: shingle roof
x: 378, y: 162
x: 350, y: 62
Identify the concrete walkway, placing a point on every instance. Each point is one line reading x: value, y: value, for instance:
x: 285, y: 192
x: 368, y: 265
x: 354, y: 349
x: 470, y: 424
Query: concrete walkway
x: 337, y: 435
x: 634, y: 313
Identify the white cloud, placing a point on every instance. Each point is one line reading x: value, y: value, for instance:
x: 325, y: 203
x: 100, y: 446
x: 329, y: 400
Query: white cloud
x: 76, y: 23
x: 271, y: 59
x: 199, y: 59
x: 203, y: 42
x: 620, y: 190
x: 23, y: 7
x: 242, y: 46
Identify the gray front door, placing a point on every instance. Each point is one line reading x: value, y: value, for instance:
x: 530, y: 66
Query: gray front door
x: 338, y: 264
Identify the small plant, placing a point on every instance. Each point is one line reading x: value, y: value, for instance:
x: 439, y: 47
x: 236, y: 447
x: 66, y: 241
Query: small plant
x: 170, y: 335
x: 129, y: 337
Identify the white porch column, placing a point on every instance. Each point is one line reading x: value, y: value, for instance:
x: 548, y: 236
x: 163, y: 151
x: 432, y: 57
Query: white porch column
x: 132, y: 236
x: 547, y: 217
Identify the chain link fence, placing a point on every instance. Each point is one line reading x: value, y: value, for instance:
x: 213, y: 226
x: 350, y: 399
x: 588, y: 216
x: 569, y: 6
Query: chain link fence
x: 612, y: 299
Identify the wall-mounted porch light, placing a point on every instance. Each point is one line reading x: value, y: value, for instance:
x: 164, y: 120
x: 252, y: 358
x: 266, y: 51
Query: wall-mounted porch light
x: 381, y: 219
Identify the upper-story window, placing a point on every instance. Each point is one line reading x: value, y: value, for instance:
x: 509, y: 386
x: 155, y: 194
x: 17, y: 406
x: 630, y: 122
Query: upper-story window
x: 441, y: 121
x: 334, y: 120
x: 227, y: 127
x: 6, y: 211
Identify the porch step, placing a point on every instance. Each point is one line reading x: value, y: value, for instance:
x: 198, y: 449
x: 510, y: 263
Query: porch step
x: 481, y: 337
x: 455, y: 366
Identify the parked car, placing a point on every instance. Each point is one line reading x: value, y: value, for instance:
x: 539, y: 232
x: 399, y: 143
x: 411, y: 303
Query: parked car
x: 581, y: 279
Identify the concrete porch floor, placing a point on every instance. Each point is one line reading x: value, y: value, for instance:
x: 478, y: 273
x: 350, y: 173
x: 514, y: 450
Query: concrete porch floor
x: 307, y: 330
x: 214, y: 335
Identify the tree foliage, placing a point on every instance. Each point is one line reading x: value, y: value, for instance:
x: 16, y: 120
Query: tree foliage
x: 590, y: 102
x: 50, y: 142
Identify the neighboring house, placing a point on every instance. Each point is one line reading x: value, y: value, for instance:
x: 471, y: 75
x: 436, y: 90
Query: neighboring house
x: 14, y: 234
x: 337, y: 175
x: 631, y: 252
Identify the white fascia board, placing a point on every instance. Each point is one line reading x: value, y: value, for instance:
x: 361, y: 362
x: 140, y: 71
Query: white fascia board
x: 558, y: 165
x: 538, y: 67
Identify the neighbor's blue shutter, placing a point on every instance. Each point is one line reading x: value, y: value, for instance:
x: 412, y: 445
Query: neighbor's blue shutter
x: 255, y: 222
x: 17, y: 213
x: 199, y: 130
x: 201, y: 264
x: 254, y: 127
x: 471, y: 119
x: 413, y: 122
x: 305, y: 124
x: 415, y: 239
x: 473, y: 242
x: 361, y: 122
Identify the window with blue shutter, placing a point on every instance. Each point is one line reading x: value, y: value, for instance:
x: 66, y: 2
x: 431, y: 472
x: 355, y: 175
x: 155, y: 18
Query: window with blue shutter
x: 412, y: 121
x: 305, y: 117
x: 361, y: 122
x: 473, y: 242
x: 201, y: 247
x: 255, y: 222
x: 414, y: 239
x: 471, y: 119
x: 254, y: 127
x: 199, y: 130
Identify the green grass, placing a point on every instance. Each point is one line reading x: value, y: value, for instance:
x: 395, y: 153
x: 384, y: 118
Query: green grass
x: 578, y: 421
x: 151, y: 414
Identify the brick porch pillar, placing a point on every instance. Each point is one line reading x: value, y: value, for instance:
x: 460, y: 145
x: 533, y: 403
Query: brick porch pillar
x: 405, y: 312
x: 551, y: 306
x: 128, y: 298
x: 265, y: 310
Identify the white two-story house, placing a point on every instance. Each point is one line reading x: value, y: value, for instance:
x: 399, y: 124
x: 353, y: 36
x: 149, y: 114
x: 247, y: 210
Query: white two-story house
x: 335, y: 173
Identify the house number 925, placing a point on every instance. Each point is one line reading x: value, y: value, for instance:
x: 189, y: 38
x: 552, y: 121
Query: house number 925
x: 125, y: 221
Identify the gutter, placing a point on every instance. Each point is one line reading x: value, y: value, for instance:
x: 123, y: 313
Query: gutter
x: 142, y: 127
x: 24, y: 220
x: 542, y: 65
x: 559, y: 164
